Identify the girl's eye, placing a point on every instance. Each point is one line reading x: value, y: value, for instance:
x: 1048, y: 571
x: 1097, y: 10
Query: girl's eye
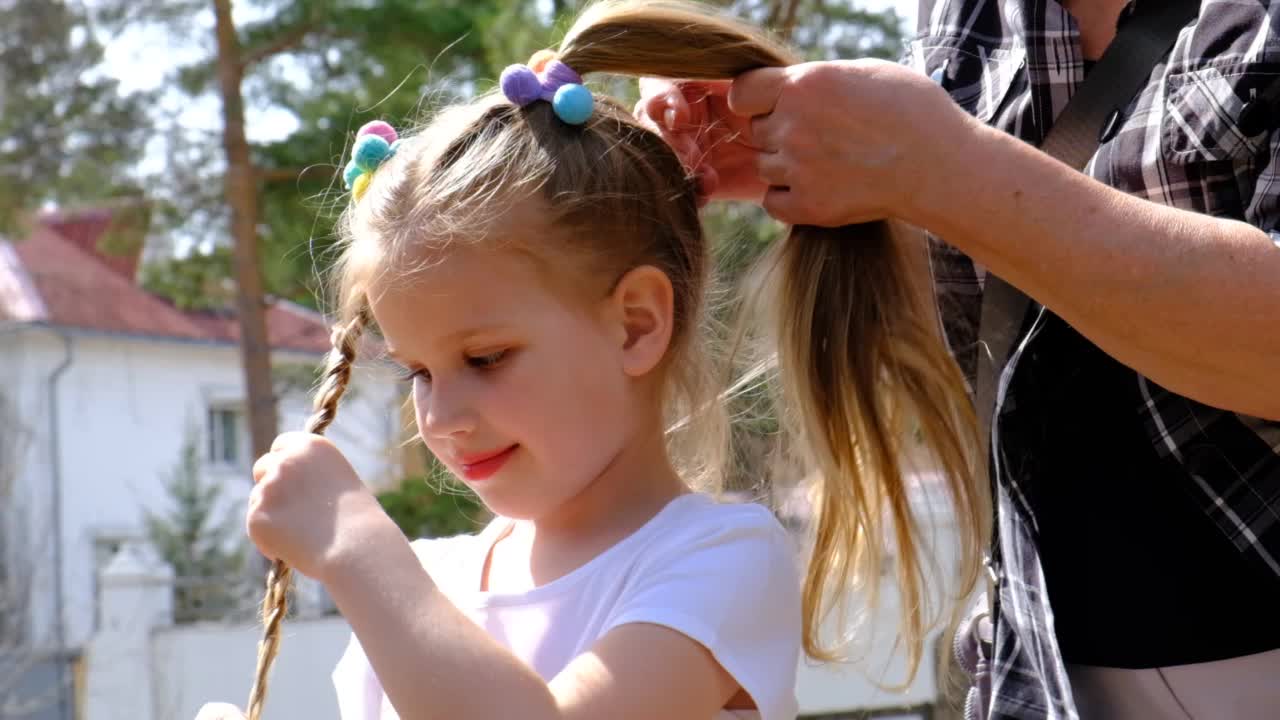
x: 484, y: 362
x: 407, y: 375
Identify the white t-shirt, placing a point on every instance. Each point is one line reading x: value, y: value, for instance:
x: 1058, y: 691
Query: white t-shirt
x: 725, y: 575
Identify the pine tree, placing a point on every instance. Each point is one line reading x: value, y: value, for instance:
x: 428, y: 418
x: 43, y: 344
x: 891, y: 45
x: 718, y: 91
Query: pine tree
x: 205, y: 551
x: 67, y: 135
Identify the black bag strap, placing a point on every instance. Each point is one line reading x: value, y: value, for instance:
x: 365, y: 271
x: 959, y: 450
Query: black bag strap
x: 1144, y: 39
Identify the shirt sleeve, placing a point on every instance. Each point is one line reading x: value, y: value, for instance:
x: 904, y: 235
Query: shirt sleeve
x: 1263, y: 211
x: 358, y: 689
x: 733, y: 588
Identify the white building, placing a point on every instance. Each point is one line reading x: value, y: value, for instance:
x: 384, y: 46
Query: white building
x: 102, y: 384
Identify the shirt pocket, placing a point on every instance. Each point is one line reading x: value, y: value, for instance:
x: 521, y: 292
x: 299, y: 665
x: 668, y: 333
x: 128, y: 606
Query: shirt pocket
x: 977, y: 76
x: 1211, y: 113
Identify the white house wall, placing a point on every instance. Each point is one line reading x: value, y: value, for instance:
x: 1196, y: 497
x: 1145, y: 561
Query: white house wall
x: 27, y: 356
x: 126, y: 405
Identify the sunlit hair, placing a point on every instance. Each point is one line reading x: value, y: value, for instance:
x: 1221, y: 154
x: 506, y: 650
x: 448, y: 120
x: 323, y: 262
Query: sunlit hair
x: 858, y: 357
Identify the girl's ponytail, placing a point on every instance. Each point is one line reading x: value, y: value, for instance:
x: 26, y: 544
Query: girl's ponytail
x: 859, y: 353
x: 862, y: 368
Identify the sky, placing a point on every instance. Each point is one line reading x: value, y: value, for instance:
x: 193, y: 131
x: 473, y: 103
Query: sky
x: 141, y: 58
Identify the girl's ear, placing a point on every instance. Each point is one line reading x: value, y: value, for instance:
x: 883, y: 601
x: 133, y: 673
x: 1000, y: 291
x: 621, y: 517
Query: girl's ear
x: 643, y: 306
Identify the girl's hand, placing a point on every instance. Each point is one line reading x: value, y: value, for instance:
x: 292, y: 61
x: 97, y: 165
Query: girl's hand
x: 308, y: 506
x: 219, y: 711
x: 713, y: 143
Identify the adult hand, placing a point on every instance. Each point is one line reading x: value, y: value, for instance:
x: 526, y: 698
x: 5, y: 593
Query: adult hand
x: 713, y: 143
x: 850, y: 141
x: 307, y: 504
x: 219, y: 711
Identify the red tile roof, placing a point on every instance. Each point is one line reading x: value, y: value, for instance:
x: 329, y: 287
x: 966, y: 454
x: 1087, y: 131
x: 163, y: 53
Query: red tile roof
x: 85, y: 229
x: 57, y: 276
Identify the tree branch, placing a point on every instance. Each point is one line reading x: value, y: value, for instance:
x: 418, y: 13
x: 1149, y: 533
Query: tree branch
x: 286, y: 41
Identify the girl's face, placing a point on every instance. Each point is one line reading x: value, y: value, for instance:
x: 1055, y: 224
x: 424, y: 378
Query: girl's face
x: 521, y: 391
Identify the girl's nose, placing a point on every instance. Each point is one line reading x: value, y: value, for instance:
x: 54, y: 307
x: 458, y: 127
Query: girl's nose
x: 443, y: 411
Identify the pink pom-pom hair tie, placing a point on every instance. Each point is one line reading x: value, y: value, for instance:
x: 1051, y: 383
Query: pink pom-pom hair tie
x: 376, y: 143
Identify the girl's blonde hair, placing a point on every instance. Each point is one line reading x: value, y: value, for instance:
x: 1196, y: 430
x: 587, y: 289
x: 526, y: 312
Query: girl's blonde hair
x: 858, y: 353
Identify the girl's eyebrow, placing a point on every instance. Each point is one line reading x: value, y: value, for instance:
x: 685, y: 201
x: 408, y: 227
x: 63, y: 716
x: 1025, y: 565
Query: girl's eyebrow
x: 464, y: 333
x: 469, y: 332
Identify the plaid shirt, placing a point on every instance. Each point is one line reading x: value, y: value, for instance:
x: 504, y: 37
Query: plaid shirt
x: 1190, y: 139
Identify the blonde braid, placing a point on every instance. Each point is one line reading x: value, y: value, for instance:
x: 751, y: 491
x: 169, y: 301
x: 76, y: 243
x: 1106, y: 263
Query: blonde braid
x: 275, y: 603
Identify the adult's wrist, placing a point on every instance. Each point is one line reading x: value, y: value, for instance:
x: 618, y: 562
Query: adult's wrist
x: 945, y: 200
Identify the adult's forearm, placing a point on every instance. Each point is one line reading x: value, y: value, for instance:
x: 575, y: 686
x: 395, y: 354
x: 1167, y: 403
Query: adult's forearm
x: 1189, y: 300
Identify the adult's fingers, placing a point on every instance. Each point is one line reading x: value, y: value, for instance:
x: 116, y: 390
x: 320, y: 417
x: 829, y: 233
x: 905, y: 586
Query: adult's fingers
x: 678, y: 105
x: 784, y: 205
x: 704, y: 89
x: 756, y: 92
x: 663, y: 103
x: 773, y: 169
x: 767, y: 132
x: 805, y: 208
x: 708, y: 183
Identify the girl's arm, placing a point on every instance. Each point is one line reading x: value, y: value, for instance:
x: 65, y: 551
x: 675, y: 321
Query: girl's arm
x: 434, y: 663
x: 730, y: 584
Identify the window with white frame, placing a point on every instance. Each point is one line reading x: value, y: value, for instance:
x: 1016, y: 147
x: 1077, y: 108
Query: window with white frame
x: 227, y: 437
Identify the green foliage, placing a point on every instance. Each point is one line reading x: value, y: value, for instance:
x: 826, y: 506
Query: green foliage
x: 433, y: 505
x: 199, y: 281
x: 66, y: 134
x: 331, y: 65
x: 334, y: 64
x: 206, y: 553
x: 825, y: 30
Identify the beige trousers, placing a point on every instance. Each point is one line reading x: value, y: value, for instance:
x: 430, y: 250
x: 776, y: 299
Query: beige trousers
x: 1243, y: 688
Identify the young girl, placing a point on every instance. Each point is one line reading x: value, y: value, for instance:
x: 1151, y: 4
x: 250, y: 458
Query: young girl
x: 535, y: 262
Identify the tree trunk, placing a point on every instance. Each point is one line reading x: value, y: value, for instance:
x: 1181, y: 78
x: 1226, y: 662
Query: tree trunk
x: 241, y: 190
x: 787, y: 27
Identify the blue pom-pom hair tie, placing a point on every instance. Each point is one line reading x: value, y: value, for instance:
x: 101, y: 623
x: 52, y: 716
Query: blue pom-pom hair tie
x: 376, y: 143
x: 547, y: 78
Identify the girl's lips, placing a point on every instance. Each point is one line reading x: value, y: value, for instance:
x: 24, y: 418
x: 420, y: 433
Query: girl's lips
x: 480, y: 467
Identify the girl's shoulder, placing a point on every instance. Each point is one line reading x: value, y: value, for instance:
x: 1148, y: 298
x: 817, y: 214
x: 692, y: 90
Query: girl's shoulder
x: 725, y: 575
x: 699, y: 516
x: 699, y: 529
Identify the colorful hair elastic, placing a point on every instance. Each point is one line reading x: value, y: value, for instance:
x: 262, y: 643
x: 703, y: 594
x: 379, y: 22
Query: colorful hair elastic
x: 376, y: 143
x: 546, y: 78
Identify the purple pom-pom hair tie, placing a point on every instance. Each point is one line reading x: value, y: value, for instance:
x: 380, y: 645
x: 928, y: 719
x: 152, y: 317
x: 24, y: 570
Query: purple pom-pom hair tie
x: 557, y: 83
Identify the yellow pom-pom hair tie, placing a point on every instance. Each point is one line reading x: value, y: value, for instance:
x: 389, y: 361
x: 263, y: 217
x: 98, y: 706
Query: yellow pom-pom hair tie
x: 376, y: 143
x: 360, y: 186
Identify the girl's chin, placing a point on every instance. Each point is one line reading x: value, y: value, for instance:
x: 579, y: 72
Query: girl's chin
x: 514, y: 506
